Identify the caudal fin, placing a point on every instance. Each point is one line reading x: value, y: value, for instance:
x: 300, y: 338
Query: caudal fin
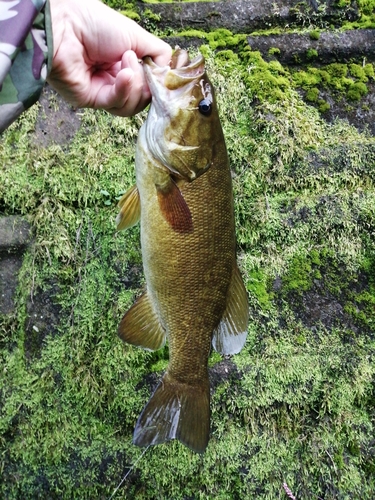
x: 176, y: 411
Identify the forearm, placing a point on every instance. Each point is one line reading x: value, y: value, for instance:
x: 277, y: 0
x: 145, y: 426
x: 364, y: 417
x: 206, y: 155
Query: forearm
x: 25, y: 55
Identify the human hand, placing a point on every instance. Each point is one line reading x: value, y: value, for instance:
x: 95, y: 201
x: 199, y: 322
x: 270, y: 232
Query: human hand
x: 95, y: 61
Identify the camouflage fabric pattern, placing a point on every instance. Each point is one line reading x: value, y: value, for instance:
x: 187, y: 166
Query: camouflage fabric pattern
x: 24, y: 55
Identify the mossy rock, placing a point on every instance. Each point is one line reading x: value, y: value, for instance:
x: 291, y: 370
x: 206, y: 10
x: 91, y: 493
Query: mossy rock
x: 296, y: 406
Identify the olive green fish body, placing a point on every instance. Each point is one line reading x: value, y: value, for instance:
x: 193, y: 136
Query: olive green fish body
x: 195, y: 295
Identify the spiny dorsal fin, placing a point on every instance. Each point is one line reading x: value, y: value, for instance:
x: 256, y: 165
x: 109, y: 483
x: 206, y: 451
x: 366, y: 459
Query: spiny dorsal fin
x: 176, y: 411
x: 174, y: 208
x: 141, y: 326
x: 130, y: 209
x: 230, y: 336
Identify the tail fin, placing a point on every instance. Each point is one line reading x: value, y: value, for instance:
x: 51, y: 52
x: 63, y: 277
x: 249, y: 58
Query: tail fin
x: 176, y: 411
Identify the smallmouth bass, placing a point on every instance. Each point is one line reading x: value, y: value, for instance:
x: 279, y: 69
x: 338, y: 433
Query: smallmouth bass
x: 195, y: 295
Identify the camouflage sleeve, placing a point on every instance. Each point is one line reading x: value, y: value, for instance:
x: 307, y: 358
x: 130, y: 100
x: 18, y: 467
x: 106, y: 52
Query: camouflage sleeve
x: 25, y: 55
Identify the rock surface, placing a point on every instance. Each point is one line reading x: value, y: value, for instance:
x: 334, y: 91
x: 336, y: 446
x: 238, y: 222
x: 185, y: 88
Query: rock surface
x: 242, y: 15
x: 15, y: 235
x: 331, y: 47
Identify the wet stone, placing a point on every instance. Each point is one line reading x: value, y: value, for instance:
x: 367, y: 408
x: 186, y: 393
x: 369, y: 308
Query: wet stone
x: 57, y: 121
x: 330, y: 47
x: 243, y: 16
x: 43, y: 318
x: 15, y: 235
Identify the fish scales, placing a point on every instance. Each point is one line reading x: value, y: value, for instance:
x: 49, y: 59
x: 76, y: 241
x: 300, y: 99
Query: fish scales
x: 198, y: 264
x: 195, y: 295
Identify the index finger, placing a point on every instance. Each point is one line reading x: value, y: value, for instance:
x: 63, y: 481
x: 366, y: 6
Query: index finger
x: 145, y: 44
x: 110, y: 34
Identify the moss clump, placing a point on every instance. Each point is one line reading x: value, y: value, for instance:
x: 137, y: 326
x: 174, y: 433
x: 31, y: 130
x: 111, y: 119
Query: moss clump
x: 337, y: 70
x: 312, y: 54
x: 358, y: 72
x: 131, y: 14
x: 323, y: 106
x: 367, y: 15
x: 344, y: 80
x: 361, y: 303
x: 222, y: 37
x: 314, y: 35
x: 192, y: 33
x: 274, y: 51
x: 152, y: 16
x: 302, y: 270
x: 307, y: 79
x: 174, y: 1
x: 356, y: 91
x: 312, y: 94
x: 369, y: 70
x: 258, y: 286
x: 121, y: 4
x: 267, y: 79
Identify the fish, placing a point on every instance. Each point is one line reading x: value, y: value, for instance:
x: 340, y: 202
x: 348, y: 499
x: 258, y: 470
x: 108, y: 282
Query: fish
x: 195, y: 297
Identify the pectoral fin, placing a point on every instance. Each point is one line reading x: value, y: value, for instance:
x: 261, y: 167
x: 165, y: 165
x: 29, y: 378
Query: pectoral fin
x: 230, y: 336
x: 130, y: 209
x: 174, y: 207
x: 141, y: 326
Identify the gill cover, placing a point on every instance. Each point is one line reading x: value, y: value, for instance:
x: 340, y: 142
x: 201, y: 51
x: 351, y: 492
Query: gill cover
x: 181, y: 118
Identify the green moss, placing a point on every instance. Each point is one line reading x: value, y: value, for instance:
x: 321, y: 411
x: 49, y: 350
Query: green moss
x: 367, y: 16
x: 312, y: 54
x: 274, y: 51
x: 131, y: 14
x: 306, y: 79
x: 358, y: 72
x: 361, y: 304
x: 312, y: 94
x: 152, y: 16
x: 228, y: 55
x: 337, y: 70
x: 314, y: 35
x: 192, y: 33
x: 343, y: 3
x: 258, y: 286
x: 300, y: 273
x: 222, y: 37
x: 344, y: 80
x: 298, y: 408
x: 356, y: 91
x: 266, y: 79
x: 121, y: 4
x: 323, y: 106
x: 369, y: 70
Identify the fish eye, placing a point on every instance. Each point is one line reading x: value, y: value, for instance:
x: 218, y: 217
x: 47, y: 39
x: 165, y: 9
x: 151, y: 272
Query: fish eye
x: 205, y: 107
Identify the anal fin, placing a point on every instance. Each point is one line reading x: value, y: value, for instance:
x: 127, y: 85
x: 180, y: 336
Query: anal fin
x: 130, y: 209
x: 140, y: 326
x: 230, y: 335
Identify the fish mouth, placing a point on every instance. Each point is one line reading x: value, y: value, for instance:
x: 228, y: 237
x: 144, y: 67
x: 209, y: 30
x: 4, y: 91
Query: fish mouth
x: 178, y: 73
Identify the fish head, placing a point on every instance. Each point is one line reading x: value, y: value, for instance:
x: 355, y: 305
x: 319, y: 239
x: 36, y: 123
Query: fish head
x: 183, y: 123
